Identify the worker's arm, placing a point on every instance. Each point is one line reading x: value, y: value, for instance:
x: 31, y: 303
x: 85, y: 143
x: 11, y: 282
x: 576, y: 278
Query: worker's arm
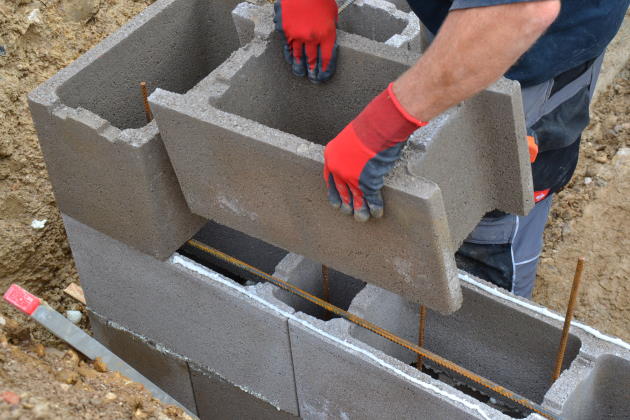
x: 473, y: 48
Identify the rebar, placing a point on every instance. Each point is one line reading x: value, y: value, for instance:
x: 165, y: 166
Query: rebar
x: 145, y: 98
x: 568, y: 317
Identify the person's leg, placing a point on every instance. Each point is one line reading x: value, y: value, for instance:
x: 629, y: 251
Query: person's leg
x: 504, y: 249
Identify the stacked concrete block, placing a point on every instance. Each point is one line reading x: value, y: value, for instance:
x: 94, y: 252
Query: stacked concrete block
x: 203, y: 318
x: 471, y: 160
x: 165, y: 369
x: 108, y: 166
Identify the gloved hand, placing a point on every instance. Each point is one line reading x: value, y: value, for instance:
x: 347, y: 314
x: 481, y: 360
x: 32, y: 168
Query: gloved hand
x: 309, y: 28
x: 357, y: 160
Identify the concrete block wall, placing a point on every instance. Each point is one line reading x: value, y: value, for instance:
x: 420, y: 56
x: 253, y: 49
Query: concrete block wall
x: 254, y: 342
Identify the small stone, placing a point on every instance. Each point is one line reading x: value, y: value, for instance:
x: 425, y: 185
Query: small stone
x: 601, y: 158
x: 110, y: 396
x: 87, y: 373
x: 2, y: 321
x: 10, y: 397
x: 41, y: 411
x: 588, y: 180
x: 72, y: 357
x: 67, y: 376
x: 80, y: 10
x: 99, y: 365
x: 64, y: 387
x: 39, y: 349
x: 74, y: 316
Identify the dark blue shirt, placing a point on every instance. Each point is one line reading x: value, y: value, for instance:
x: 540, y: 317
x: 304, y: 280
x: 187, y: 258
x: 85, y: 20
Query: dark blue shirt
x: 581, y: 32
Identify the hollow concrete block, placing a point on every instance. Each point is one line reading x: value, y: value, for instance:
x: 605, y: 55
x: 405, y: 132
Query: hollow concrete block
x: 165, y: 369
x: 220, y: 400
x: 471, y: 160
x: 108, y: 167
x: 190, y: 310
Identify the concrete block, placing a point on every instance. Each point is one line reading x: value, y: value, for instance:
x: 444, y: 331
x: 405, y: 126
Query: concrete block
x: 381, y: 21
x: 167, y: 370
x: 218, y: 400
x: 486, y: 336
x: 189, y: 309
x: 604, y: 394
x: 108, y: 167
x: 338, y: 377
x: 268, y: 158
x: 468, y: 162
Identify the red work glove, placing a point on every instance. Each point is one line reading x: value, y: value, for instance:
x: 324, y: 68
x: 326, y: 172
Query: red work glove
x: 357, y: 160
x: 309, y: 28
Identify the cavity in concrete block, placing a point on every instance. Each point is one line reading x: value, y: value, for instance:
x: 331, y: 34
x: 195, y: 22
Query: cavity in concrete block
x: 308, y: 276
x: 219, y: 400
x: 166, y: 370
x: 108, y: 166
x: 510, y: 347
x: 252, y: 251
x: 379, y: 21
x: 190, y: 310
x: 604, y: 394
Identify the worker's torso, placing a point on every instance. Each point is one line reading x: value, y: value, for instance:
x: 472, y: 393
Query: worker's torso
x: 580, y: 33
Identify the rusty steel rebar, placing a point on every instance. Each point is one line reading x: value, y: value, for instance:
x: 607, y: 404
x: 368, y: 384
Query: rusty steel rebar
x: 568, y: 317
x: 325, y: 284
x: 145, y: 98
x: 422, y: 321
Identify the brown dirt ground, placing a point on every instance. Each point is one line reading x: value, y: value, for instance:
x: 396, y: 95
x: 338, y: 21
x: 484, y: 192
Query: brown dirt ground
x: 590, y: 218
x: 587, y: 219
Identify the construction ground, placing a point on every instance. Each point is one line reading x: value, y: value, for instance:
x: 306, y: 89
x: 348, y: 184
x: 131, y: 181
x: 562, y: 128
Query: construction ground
x: 41, y: 377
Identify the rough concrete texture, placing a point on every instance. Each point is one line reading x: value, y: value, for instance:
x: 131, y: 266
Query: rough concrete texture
x: 335, y: 379
x: 167, y: 370
x: 381, y: 21
x: 220, y: 400
x: 604, y: 394
x: 200, y: 318
x: 249, y: 111
x: 108, y: 166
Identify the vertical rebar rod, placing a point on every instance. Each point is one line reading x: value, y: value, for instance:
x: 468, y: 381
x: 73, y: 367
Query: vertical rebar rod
x: 422, y: 321
x: 325, y: 284
x: 568, y: 317
x: 145, y: 98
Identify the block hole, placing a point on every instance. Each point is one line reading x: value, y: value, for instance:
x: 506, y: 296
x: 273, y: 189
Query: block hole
x: 486, y: 336
x: 264, y: 90
x: 370, y: 22
x: 173, y: 51
x: 604, y: 394
x: 253, y: 251
x: 342, y: 288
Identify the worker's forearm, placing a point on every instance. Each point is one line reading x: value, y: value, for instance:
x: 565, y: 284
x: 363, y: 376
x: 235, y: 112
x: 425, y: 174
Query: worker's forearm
x: 472, y: 50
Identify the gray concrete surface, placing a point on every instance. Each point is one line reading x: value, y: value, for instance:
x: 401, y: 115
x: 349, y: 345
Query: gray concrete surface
x: 604, y: 394
x: 167, y: 370
x: 220, y: 400
x: 108, y: 167
x: 193, y: 315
